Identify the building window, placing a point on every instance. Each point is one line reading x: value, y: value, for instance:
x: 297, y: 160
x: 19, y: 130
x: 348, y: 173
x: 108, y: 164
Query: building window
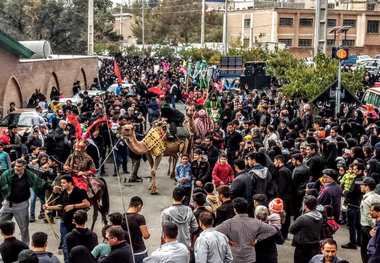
x: 306, y: 22
x: 371, y: 6
x: 246, y: 42
x: 348, y: 42
x: 247, y: 23
x: 286, y: 41
x: 302, y: 42
x: 331, y: 22
x: 372, y: 26
x: 330, y: 6
x: 349, y: 22
x: 286, y: 21
x: 330, y: 42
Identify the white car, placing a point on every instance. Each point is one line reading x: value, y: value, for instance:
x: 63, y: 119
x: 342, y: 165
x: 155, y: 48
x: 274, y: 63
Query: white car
x: 113, y: 87
x: 76, y: 99
x: 23, y: 119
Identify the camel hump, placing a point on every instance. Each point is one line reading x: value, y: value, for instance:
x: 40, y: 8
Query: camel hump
x: 154, y: 141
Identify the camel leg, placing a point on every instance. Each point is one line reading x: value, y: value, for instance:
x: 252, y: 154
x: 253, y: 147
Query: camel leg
x: 157, y: 161
x: 150, y: 161
x: 170, y: 165
x: 174, y: 159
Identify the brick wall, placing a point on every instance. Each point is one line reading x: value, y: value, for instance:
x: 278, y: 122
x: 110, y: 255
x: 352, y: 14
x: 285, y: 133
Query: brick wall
x: 19, y: 79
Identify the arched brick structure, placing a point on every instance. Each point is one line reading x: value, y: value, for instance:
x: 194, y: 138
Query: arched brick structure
x: 12, y: 94
x: 83, y: 81
x: 53, y: 82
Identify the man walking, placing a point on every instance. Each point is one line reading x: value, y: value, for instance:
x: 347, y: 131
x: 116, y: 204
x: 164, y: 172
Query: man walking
x: 15, y: 187
x: 211, y: 246
x: 243, y: 232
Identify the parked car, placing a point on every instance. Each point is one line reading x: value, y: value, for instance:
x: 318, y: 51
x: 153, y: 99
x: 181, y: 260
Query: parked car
x: 23, y: 119
x: 76, y: 99
x: 351, y: 60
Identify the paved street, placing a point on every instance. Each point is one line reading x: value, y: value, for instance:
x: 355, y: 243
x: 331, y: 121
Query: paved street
x: 154, y: 204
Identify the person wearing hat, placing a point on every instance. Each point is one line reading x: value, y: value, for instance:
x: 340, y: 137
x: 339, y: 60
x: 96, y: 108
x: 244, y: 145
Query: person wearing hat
x: 370, y: 197
x: 331, y: 193
x: 353, y: 198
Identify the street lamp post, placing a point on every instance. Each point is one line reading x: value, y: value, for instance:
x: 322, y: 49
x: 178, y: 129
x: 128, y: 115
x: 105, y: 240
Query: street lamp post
x: 203, y: 23
x: 337, y: 30
x: 225, y: 25
x: 90, y: 28
x: 143, y: 24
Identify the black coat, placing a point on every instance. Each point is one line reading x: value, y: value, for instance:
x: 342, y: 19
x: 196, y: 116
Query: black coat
x: 81, y: 236
x: 307, y: 229
x: 284, y: 183
x: 224, y: 212
x: 119, y: 254
x: 315, y: 164
x: 201, y: 171
x: 242, y: 186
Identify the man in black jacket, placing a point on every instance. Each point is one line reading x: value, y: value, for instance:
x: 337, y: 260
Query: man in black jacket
x: 80, y: 235
x: 314, y: 161
x: 120, y: 251
x: 300, y: 177
x: 307, y: 231
x: 232, y: 143
x: 211, y: 151
x: 11, y: 247
x: 226, y: 210
x: 242, y: 185
x: 284, y: 185
x: 200, y: 169
x: 353, y: 199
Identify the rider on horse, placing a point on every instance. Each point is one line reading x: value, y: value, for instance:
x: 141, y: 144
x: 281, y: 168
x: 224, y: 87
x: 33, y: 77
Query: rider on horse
x: 80, y: 165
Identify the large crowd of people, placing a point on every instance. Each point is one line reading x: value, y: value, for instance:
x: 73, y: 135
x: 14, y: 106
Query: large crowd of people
x: 262, y: 168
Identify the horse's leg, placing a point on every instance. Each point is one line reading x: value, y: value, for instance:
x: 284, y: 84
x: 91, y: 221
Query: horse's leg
x: 95, y: 214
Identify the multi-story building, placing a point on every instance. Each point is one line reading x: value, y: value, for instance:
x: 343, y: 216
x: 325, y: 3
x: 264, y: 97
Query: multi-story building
x: 123, y: 26
x: 294, y: 26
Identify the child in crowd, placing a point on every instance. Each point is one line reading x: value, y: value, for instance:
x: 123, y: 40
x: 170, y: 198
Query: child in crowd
x: 276, y: 209
x: 183, y: 176
x: 211, y: 198
x: 102, y: 249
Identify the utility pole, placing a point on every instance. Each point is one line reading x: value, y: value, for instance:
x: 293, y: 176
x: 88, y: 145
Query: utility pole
x: 121, y: 24
x: 225, y: 25
x: 90, y: 24
x: 143, y: 23
x: 203, y: 23
x: 320, y: 27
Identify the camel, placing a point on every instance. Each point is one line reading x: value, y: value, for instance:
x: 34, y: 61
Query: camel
x: 172, y: 149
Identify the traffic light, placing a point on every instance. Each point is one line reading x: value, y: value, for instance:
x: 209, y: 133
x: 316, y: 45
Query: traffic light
x: 340, y: 53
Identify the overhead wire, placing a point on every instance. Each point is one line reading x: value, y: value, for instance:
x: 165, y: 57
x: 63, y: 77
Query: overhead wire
x: 118, y: 175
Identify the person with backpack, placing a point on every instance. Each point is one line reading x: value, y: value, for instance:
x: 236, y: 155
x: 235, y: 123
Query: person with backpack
x: 39, y: 247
